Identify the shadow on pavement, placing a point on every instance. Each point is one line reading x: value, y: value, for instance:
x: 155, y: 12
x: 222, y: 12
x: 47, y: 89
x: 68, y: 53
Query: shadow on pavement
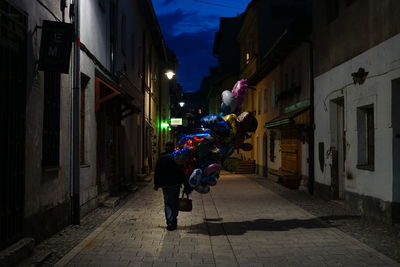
x: 339, y: 217
x: 240, y: 228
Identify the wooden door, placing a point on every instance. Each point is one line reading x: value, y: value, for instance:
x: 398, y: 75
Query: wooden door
x: 290, y: 151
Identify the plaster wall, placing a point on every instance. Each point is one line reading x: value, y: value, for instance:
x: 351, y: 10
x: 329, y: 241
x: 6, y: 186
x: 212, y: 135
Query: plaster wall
x: 88, y: 170
x: 296, y: 65
x: 95, y: 35
x: 95, y: 29
x: 383, y: 64
x: 265, y: 87
x: 129, y: 62
x: 44, y: 190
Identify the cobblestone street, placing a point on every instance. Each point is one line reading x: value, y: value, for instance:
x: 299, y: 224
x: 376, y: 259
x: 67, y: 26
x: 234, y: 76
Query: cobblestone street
x: 240, y: 223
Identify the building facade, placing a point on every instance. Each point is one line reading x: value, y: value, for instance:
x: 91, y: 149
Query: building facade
x: 35, y: 187
x: 270, y: 55
x: 356, y: 115
x: 226, y: 50
x: 122, y: 62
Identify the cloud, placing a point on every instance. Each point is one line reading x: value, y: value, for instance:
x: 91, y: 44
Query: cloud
x: 166, y: 2
x: 179, y: 21
x: 190, y: 35
x: 194, y: 52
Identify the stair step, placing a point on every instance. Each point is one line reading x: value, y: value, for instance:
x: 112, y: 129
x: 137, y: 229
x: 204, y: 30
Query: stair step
x: 16, y: 252
x: 111, y: 202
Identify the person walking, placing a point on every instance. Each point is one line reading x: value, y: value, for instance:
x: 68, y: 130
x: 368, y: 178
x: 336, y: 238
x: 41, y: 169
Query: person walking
x: 169, y: 176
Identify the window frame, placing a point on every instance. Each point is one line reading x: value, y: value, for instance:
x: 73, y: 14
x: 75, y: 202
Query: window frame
x: 366, y: 137
x: 51, y: 121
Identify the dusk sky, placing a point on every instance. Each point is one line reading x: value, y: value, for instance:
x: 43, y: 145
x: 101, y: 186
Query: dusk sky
x: 189, y: 27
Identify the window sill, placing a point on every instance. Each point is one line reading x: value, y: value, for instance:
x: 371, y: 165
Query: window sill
x: 84, y: 165
x: 366, y: 167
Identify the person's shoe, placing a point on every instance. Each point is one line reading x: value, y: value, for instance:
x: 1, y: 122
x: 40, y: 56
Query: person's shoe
x: 171, y: 227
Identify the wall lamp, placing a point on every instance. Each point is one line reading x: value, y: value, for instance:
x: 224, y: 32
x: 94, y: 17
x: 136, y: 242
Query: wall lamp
x: 170, y: 74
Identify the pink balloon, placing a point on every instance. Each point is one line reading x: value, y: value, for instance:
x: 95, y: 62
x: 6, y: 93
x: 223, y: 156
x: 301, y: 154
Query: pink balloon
x: 211, y: 169
x: 239, y: 92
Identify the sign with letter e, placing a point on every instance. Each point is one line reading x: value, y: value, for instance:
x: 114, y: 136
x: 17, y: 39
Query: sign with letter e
x: 55, y: 46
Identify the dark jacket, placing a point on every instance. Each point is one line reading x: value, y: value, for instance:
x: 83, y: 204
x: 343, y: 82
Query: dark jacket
x: 167, y: 172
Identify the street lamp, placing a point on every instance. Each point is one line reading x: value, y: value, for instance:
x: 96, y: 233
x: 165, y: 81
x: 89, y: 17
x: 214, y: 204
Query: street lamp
x: 170, y: 74
x: 181, y: 104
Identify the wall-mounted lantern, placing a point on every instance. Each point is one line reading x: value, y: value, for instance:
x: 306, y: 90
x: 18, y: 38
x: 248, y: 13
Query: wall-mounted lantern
x: 360, y: 76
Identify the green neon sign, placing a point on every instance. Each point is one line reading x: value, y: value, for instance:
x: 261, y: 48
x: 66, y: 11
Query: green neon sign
x: 164, y: 125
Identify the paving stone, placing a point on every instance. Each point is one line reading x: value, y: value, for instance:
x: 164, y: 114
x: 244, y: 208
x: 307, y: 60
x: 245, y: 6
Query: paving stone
x: 259, y: 227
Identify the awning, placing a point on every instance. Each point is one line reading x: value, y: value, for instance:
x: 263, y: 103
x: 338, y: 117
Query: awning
x: 297, y: 117
x: 106, y: 89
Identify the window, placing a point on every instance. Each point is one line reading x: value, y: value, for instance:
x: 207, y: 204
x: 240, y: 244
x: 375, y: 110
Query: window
x: 293, y: 78
x: 247, y: 57
x: 84, y: 82
x: 140, y: 63
x: 273, y: 96
x: 272, y: 135
x: 366, y: 137
x: 133, y: 51
x: 123, y: 34
x: 265, y: 101
x: 259, y: 102
x: 113, y: 33
x: 51, y: 121
x: 299, y: 74
x: 332, y: 9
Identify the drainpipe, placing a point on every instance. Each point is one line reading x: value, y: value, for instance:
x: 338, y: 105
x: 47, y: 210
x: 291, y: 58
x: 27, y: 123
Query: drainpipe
x: 311, y: 151
x: 75, y: 120
x: 160, y: 113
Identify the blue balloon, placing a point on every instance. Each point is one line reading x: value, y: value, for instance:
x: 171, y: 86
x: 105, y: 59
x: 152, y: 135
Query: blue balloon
x: 215, y: 123
x: 195, y: 178
x: 182, y: 155
x: 183, y: 138
x: 225, y: 109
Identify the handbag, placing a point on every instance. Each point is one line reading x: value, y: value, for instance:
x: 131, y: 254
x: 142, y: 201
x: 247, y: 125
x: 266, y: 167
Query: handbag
x: 185, y: 204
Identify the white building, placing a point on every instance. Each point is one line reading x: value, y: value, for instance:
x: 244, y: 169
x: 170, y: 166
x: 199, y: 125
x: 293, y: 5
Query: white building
x: 357, y: 86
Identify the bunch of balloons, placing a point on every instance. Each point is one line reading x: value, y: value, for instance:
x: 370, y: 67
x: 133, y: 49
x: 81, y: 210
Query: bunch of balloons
x: 207, y: 152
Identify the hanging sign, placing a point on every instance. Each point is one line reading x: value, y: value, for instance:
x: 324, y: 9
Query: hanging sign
x: 55, y: 46
x: 176, y: 121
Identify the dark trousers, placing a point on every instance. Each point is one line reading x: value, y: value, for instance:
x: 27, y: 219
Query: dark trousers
x: 171, y: 198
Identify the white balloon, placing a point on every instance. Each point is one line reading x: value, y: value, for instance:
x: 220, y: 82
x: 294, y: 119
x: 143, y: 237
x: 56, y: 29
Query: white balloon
x: 202, y: 189
x: 226, y: 96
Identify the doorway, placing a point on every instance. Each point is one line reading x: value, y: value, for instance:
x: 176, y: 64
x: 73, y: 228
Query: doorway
x: 291, y: 151
x: 13, y: 67
x: 108, y: 107
x: 265, y: 155
x: 337, y: 149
